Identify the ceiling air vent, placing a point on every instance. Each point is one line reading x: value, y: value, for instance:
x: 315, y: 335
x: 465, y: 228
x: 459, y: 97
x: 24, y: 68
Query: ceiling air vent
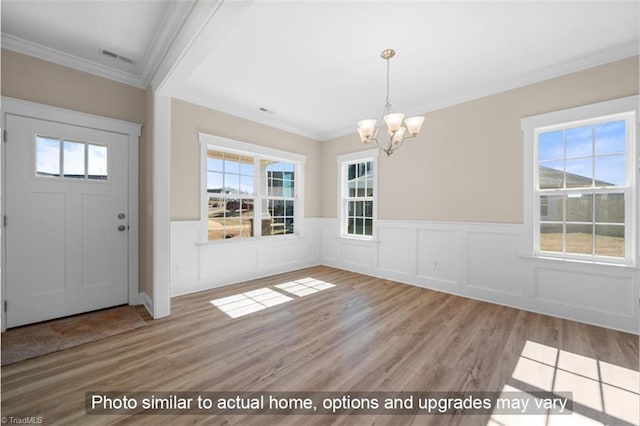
x: 116, y: 56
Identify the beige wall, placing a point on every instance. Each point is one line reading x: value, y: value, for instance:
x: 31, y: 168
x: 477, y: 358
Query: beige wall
x: 35, y: 80
x: 31, y: 79
x: 467, y: 163
x: 188, y: 119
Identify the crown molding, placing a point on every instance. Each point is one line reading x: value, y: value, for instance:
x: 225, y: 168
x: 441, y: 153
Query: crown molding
x: 172, y: 21
x: 602, y: 57
x: 25, y: 47
x: 209, y: 103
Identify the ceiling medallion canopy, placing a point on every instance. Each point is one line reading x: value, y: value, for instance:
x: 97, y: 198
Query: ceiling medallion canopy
x: 397, y: 131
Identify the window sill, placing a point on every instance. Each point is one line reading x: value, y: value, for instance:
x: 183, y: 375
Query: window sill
x: 358, y: 239
x: 535, y: 257
x: 252, y: 240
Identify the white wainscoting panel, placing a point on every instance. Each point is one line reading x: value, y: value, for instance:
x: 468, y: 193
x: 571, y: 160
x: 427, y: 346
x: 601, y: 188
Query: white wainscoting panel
x: 437, y: 255
x: 483, y: 261
x: 476, y: 260
x: 492, y: 262
x: 196, y: 266
x: 396, y: 255
x: 359, y: 254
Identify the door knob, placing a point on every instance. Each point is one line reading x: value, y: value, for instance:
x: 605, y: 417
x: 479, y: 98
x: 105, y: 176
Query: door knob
x: 121, y: 228
x: 121, y: 216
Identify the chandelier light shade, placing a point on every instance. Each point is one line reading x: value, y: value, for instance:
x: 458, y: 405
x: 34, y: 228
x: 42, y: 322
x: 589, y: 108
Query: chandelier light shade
x: 398, y: 129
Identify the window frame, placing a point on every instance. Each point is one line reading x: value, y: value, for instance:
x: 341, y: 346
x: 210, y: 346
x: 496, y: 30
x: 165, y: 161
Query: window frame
x: 257, y: 152
x: 344, y: 161
x: 589, y: 115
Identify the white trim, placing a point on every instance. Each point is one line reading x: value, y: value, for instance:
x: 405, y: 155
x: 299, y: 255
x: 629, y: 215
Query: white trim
x: 343, y: 161
x: 48, y: 54
x: 206, y: 24
x: 532, y: 126
x: 132, y: 130
x: 146, y: 301
x: 174, y: 16
x: 248, y: 148
x: 162, y: 207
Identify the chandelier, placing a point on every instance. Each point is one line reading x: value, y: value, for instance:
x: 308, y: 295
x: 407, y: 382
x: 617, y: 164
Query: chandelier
x: 397, y: 131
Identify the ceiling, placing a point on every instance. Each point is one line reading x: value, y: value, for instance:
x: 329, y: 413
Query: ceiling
x: 315, y: 65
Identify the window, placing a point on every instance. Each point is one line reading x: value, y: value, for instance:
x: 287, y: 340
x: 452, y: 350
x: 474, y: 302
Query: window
x: 70, y: 159
x: 251, y: 191
x: 358, y: 193
x: 584, y: 182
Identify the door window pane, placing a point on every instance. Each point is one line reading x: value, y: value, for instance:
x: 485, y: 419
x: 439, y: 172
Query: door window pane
x: 73, y: 159
x: 97, y: 161
x: 47, y: 156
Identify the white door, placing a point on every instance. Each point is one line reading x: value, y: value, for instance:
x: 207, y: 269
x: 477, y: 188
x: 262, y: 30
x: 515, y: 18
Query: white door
x: 67, y: 220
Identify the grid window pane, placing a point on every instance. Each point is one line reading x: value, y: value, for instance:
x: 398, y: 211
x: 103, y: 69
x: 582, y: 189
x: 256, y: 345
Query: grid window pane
x: 215, y: 182
x: 611, y: 170
x: 551, y: 208
x: 551, y: 237
x: 551, y: 174
x: 215, y: 164
x: 231, y: 163
x: 579, y: 142
x: 551, y: 145
x: 610, y: 138
x: 610, y: 240
x: 580, y: 208
x: 579, y: 173
x: 579, y: 239
x: 610, y: 208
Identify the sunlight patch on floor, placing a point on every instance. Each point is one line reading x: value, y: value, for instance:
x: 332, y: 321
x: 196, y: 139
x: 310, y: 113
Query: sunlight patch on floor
x: 252, y: 301
x: 249, y: 302
x: 304, y: 286
x: 603, y: 393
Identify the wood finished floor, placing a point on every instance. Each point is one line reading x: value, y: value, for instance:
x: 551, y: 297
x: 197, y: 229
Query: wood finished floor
x: 364, y: 334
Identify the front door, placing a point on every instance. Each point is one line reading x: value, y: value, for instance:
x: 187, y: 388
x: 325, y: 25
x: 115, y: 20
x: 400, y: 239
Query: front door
x: 67, y: 219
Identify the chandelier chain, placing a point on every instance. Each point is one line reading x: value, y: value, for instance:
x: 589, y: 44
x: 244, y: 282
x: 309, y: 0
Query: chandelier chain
x: 387, y: 81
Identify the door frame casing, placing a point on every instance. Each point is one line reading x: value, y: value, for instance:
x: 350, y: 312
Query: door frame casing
x: 38, y: 111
